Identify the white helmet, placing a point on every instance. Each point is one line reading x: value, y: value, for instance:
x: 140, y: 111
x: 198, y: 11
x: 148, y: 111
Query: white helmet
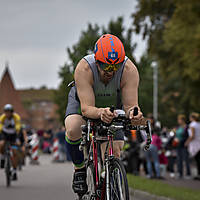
x: 8, y: 107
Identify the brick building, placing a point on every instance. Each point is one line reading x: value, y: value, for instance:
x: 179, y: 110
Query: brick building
x: 35, y: 106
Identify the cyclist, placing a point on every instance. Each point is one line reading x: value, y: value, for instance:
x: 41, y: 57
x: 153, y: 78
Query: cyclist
x: 10, y: 126
x: 102, y: 79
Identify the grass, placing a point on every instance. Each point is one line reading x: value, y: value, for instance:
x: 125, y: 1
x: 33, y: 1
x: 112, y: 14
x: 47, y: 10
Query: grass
x: 159, y: 188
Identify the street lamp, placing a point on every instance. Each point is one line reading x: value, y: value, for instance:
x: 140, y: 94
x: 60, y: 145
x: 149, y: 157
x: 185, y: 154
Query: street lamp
x: 155, y: 90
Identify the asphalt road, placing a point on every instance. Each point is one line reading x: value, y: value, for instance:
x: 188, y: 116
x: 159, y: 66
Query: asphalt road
x: 47, y: 181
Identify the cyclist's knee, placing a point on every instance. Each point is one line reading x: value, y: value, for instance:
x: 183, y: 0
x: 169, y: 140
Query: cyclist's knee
x: 73, y: 127
x: 117, y: 153
x: 2, y: 144
x: 72, y: 134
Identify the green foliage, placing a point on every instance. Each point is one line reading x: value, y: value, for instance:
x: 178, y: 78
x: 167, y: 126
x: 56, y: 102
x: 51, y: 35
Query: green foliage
x: 146, y: 85
x: 85, y: 45
x: 61, y: 95
x: 182, y: 40
x: 117, y: 28
x: 173, y: 32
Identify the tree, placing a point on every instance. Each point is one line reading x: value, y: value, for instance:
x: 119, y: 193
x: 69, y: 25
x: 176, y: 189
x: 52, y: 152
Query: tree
x: 117, y: 28
x: 172, y: 29
x: 85, y: 45
x: 181, y: 39
x: 61, y: 95
x: 146, y: 84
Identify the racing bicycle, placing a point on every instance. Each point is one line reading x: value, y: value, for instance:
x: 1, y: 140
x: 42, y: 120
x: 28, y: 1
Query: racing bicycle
x: 106, y: 179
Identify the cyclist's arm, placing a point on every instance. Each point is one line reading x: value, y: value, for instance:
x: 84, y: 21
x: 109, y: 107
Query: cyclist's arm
x: 2, y: 118
x: 84, y: 81
x: 17, y: 119
x: 129, y: 85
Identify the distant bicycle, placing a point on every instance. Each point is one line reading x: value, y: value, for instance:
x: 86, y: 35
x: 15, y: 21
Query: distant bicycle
x: 106, y: 178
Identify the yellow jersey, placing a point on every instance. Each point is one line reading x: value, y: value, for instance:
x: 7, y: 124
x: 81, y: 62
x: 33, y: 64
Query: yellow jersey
x: 10, y: 126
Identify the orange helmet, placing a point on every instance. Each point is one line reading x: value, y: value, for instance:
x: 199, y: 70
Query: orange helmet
x: 109, y: 49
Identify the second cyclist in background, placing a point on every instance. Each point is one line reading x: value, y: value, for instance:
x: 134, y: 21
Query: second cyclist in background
x: 10, y: 125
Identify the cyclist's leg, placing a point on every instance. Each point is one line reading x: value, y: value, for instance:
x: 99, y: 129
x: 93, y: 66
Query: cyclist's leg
x: 73, y: 122
x: 23, y: 151
x: 2, y: 157
x: 73, y: 138
x: 13, y: 141
x: 118, y: 144
x: 14, y: 158
x: 117, y: 147
x: 2, y: 145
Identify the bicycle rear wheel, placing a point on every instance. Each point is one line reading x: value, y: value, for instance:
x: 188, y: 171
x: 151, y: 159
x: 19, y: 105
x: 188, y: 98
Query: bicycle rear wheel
x: 118, y: 181
x: 8, y: 170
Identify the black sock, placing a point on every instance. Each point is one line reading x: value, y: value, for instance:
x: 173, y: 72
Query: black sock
x: 81, y: 169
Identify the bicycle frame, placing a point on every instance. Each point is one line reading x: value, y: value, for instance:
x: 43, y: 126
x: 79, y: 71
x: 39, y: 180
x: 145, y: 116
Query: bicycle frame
x: 108, y: 155
x: 90, y: 146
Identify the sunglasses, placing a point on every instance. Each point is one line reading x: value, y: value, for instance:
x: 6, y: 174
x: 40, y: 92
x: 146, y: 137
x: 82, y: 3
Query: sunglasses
x: 109, y: 67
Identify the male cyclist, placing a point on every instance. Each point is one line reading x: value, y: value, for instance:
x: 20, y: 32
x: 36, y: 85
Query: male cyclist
x: 102, y: 79
x: 10, y: 126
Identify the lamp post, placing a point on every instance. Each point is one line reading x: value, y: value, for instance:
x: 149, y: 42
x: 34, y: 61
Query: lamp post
x: 155, y: 90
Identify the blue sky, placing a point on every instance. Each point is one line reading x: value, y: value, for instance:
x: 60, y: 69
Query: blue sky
x: 34, y: 34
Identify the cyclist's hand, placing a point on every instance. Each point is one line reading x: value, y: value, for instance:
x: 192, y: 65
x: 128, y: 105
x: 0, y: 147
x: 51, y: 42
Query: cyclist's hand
x: 138, y: 117
x: 106, y: 115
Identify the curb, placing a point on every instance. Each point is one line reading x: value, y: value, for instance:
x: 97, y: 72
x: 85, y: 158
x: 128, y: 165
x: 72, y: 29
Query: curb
x: 141, y: 195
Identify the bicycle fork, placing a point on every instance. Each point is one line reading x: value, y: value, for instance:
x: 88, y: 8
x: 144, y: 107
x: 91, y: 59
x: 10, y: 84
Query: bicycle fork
x: 108, y: 157
x: 107, y: 181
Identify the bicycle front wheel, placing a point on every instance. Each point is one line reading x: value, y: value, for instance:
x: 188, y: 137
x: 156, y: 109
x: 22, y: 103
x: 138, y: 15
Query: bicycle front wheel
x: 91, y: 182
x: 118, y: 181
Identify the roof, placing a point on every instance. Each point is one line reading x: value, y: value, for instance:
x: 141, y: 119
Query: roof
x: 8, y: 94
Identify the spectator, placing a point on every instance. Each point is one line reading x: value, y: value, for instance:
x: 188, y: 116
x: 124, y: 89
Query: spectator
x: 193, y: 142
x: 142, y: 160
x: 47, y: 141
x: 40, y: 135
x: 163, y: 163
x: 62, y: 148
x: 182, y: 153
x: 133, y: 153
x: 171, y: 153
x: 162, y: 155
x: 153, y: 151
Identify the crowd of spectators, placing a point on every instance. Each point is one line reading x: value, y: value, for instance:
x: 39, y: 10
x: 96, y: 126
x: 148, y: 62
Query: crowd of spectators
x: 176, y: 151
x: 172, y: 152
